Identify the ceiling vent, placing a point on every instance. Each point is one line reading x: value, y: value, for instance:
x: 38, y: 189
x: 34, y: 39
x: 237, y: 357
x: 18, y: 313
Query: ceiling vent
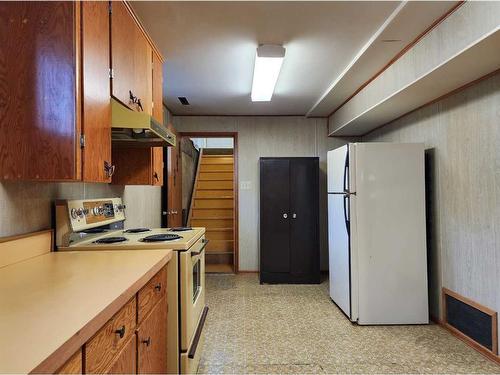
x: 183, y: 100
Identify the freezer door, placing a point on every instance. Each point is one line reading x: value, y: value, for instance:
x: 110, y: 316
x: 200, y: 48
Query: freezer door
x: 339, y: 256
x: 336, y: 165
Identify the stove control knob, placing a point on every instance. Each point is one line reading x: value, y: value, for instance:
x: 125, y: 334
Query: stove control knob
x: 74, y: 215
x: 79, y: 212
x: 86, y: 211
x: 121, y: 207
x: 95, y: 211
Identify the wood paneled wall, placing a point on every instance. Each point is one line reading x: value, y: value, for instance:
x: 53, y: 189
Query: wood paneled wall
x: 267, y: 136
x: 462, y: 135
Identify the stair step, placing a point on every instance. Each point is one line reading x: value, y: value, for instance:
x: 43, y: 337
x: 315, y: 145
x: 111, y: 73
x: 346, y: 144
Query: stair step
x: 220, y: 245
x: 225, y: 160
x: 218, y: 194
x: 216, y: 176
x: 200, y: 213
x: 214, y: 185
x: 212, y: 203
x: 212, y: 223
x: 216, y: 168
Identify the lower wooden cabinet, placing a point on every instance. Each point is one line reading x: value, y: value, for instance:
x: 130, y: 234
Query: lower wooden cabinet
x: 126, y: 361
x: 74, y: 365
x: 138, y: 166
x: 152, y: 341
x: 125, y: 346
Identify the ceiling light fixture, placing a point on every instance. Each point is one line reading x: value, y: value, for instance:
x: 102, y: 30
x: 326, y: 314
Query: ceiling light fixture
x: 268, y: 60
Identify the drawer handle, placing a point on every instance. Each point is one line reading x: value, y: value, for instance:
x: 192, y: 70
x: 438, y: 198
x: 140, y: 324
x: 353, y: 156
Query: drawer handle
x: 158, y: 287
x: 147, y: 341
x: 121, y: 332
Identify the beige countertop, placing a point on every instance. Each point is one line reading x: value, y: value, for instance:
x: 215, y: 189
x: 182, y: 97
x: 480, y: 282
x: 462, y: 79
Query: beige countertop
x: 52, y: 304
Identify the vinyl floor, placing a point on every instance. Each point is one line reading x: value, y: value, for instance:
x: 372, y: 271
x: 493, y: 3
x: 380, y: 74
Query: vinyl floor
x: 276, y: 329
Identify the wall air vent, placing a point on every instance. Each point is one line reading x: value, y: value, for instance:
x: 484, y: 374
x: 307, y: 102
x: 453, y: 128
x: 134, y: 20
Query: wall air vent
x: 470, y: 321
x: 183, y: 100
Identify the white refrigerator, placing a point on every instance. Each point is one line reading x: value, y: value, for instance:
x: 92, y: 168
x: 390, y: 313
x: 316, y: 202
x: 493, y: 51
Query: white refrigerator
x: 376, y: 232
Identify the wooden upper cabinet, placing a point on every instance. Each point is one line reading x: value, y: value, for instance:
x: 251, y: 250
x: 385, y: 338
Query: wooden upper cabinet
x: 54, y: 93
x: 96, y: 90
x: 130, y: 59
x: 157, y: 88
x: 38, y: 89
x: 138, y: 166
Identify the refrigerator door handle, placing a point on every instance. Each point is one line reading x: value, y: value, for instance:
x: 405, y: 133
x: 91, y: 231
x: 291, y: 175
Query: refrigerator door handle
x: 347, y: 222
x: 345, y: 193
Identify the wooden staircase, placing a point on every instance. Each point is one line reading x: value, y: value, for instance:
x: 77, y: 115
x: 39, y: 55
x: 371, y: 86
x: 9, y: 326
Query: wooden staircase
x: 212, y: 207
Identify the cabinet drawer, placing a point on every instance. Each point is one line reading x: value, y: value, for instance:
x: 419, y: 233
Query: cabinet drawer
x: 151, y: 293
x: 101, y: 350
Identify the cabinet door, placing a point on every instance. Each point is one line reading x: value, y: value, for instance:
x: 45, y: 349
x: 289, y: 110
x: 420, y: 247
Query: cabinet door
x: 157, y: 88
x: 174, y: 188
x: 152, y: 341
x: 130, y: 59
x: 274, y: 215
x: 157, y: 162
x: 304, y: 217
x: 38, y: 124
x: 96, y: 125
x: 126, y: 361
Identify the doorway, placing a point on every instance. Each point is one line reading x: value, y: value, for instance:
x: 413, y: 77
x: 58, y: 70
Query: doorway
x: 209, y: 166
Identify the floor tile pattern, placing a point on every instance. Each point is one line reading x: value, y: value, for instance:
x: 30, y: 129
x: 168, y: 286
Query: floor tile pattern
x: 279, y: 329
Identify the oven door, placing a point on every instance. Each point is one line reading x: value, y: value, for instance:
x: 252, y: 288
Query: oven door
x: 192, y: 290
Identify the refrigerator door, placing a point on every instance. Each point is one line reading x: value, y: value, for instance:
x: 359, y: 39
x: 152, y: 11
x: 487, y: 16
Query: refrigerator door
x: 390, y: 234
x: 338, y: 229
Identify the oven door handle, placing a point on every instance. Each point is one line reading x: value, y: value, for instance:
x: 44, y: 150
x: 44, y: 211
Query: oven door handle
x: 197, y: 334
x: 195, y: 253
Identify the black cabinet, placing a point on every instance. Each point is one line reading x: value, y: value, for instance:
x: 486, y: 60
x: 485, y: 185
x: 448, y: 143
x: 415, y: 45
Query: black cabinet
x: 289, y: 220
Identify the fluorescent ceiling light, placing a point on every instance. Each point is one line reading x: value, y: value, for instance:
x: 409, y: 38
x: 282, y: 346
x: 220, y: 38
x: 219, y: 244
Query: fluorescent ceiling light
x: 268, y: 62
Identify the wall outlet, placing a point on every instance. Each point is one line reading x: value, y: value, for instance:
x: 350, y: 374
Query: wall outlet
x: 245, y: 185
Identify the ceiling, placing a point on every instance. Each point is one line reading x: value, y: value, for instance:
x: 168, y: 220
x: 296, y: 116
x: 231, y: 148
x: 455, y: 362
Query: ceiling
x: 209, y: 49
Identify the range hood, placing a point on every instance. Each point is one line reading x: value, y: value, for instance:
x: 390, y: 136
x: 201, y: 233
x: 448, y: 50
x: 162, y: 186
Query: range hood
x: 137, y: 129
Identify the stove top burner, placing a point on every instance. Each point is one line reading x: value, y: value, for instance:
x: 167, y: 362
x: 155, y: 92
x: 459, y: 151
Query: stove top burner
x: 108, y: 240
x: 180, y: 229
x: 161, y: 237
x: 93, y: 230
x: 137, y: 230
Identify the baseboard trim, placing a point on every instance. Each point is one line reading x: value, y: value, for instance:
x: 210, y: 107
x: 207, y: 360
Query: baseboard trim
x: 471, y: 343
x: 247, y: 271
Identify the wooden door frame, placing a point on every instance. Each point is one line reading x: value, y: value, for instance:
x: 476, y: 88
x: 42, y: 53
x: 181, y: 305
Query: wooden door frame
x: 234, y: 135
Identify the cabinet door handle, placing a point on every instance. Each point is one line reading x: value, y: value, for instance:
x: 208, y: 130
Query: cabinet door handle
x: 135, y: 100
x: 147, y: 341
x: 109, y: 169
x: 155, y: 175
x: 294, y: 215
x: 121, y: 331
x: 158, y: 287
x: 285, y: 216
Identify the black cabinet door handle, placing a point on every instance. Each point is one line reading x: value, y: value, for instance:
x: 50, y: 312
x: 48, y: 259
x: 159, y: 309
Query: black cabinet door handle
x: 121, y: 331
x: 158, y: 287
x: 147, y: 341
